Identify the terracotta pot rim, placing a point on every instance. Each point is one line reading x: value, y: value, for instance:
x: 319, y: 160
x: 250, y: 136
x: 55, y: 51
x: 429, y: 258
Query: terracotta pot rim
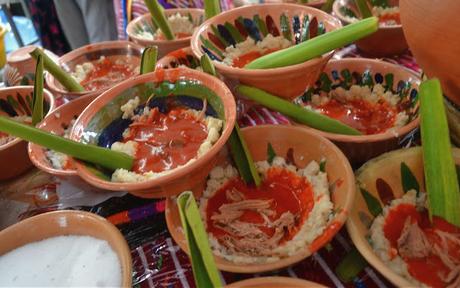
x: 261, y: 72
x: 168, y: 12
x: 336, y: 10
x: 46, y: 93
x: 177, y: 172
x: 99, y: 46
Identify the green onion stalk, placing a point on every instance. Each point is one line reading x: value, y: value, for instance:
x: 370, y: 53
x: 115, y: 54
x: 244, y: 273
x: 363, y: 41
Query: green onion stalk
x: 159, y: 17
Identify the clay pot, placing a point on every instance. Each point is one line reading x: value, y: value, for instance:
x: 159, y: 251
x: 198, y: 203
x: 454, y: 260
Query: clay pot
x: 144, y: 22
x: 385, y: 168
x: 17, y: 101
x: 437, y: 47
x: 387, y: 41
x: 361, y: 148
x: 55, y: 123
x: 66, y: 222
x: 282, y: 139
x: 287, y: 82
x: 114, y: 50
x: 106, y: 108
x: 273, y: 282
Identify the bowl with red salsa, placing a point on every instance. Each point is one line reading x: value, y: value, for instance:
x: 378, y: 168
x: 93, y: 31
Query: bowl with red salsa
x: 389, y: 39
x: 183, y: 22
x: 97, y: 67
x: 303, y: 200
x: 16, y: 103
x: 236, y: 37
x: 390, y: 226
x: 172, y: 122
x: 377, y: 98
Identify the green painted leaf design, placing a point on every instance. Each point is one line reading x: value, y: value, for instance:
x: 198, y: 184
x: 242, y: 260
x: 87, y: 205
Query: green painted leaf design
x: 348, y: 79
x: 305, y: 28
x: 347, y: 12
x: 260, y: 24
x: 270, y: 153
x: 372, y: 203
x: 367, y: 78
x: 322, y: 165
x: 321, y: 28
x: 234, y: 32
x: 284, y: 25
x: 389, y: 79
x: 325, y: 82
x: 408, y: 179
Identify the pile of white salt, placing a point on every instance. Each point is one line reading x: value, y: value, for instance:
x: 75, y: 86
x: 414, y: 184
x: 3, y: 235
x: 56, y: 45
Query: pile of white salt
x: 62, y: 261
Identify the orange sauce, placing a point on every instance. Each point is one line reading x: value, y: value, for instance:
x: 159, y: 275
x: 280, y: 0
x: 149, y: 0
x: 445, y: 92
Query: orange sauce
x: 390, y: 18
x: 429, y: 269
x: 106, y: 73
x: 166, y: 141
x: 362, y: 115
x: 247, y: 58
x: 288, y: 192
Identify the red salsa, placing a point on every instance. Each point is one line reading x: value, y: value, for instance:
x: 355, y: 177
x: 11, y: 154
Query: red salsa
x: 166, y: 141
x: 106, y: 73
x: 430, y: 269
x: 247, y: 58
x: 390, y: 18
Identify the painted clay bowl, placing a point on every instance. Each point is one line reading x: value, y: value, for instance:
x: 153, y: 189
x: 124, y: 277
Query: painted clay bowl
x: 313, y: 3
x: 282, y: 138
x: 361, y: 71
x: 66, y: 222
x: 273, y: 282
x: 17, y: 101
x: 113, y: 50
x: 56, y: 122
x: 256, y: 21
x: 102, y: 119
x: 387, y: 41
x: 386, y: 168
x: 143, y: 23
x: 20, y: 66
x: 182, y: 57
x: 436, y: 49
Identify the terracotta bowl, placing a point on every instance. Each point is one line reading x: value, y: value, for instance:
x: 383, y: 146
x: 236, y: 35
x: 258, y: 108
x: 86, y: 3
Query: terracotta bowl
x: 387, y: 41
x: 282, y: 139
x: 20, y: 66
x: 361, y: 148
x: 66, y: 222
x: 387, y: 168
x: 287, y: 82
x: 313, y: 3
x: 436, y: 49
x: 56, y: 122
x: 183, y: 57
x: 17, y: 101
x: 144, y: 23
x: 106, y: 108
x: 272, y: 282
x: 114, y: 50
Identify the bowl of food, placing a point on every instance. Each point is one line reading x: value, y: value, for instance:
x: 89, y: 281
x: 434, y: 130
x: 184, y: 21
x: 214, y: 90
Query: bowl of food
x: 16, y: 103
x: 183, y: 21
x: 172, y: 122
x: 64, y: 248
x: 236, y: 37
x: 390, y: 199
x: 389, y: 39
x: 313, y: 3
x: 59, y: 122
x: 182, y: 57
x: 375, y: 97
x: 303, y: 200
x: 97, y: 67
x: 274, y: 281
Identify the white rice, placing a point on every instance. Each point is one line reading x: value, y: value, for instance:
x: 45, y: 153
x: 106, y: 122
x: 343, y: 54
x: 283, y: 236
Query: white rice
x: 59, y: 160
x: 312, y: 227
x: 214, y: 126
x: 356, y: 92
x: 250, y: 45
x: 178, y: 24
x: 380, y: 243
x: 377, y: 11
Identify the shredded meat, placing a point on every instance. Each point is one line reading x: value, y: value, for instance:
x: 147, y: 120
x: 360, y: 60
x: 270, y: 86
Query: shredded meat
x: 234, y: 195
x: 413, y: 243
x: 252, y: 204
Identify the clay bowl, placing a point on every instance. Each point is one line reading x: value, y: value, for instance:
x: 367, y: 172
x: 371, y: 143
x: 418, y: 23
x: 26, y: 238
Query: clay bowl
x: 106, y: 108
x: 313, y: 3
x: 361, y: 71
x: 56, y: 122
x: 287, y: 82
x: 387, y: 168
x: 436, y: 49
x: 182, y: 57
x: 273, y: 282
x: 282, y: 139
x: 144, y: 23
x: 17, y: 101
x: 66, y: 222
x: 387, y: 41
x: 114, y: 50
